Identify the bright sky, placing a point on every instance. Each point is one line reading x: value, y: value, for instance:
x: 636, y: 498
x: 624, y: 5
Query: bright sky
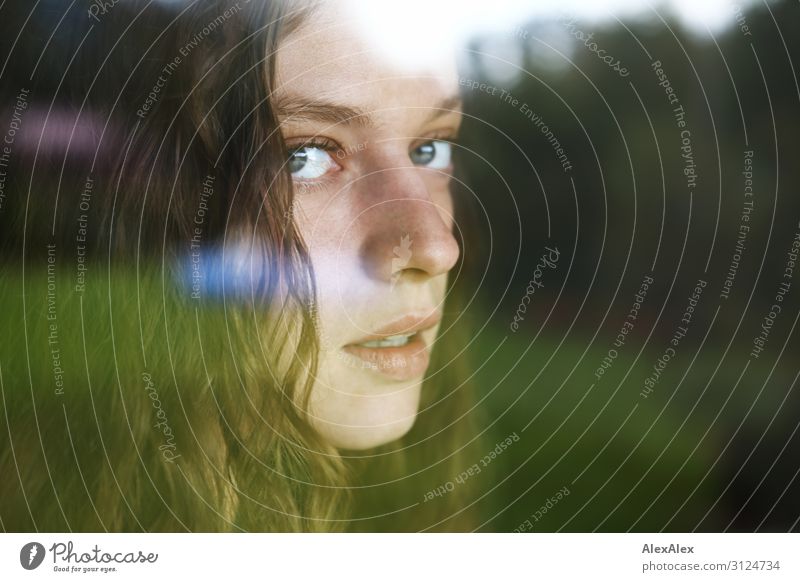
x: 411, y: 27
x: 697, y: 14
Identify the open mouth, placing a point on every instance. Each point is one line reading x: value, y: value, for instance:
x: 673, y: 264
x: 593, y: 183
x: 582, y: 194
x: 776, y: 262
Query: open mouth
x: 394, y: 341
x: 399, y: 356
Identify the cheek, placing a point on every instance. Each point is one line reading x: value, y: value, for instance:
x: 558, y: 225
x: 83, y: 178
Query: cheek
x: 326, y: 216
x: 325, y: 222
x: 439, y: 187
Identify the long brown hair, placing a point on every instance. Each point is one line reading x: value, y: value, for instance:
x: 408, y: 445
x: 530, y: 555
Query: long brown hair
x: 178, y: 408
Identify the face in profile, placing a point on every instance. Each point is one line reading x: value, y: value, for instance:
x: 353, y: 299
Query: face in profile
x: 370, y: 157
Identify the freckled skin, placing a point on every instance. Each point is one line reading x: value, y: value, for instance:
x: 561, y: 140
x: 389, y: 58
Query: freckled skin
x: 373, y: 202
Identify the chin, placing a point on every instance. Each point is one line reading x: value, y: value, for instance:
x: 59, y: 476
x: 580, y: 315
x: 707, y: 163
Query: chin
x: 358, y: 422
x: 364, y: 438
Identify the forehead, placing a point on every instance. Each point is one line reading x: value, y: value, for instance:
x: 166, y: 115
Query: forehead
x: 330, y: 58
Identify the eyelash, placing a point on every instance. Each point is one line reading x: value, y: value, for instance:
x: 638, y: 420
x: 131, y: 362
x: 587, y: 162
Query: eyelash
x: 332, y: 147
x: 444, y: 135
x: 322, y: 143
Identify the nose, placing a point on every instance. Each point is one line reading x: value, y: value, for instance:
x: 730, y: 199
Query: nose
x: 409, y: 230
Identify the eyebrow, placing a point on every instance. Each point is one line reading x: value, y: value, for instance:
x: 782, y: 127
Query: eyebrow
x: 298, y: 109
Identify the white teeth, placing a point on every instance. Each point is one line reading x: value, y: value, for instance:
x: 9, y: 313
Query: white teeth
x: 394, y: 341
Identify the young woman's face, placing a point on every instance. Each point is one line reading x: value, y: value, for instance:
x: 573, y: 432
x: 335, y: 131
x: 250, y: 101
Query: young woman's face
x: 370, y: 159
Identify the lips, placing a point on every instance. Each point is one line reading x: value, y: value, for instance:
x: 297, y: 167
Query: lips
x: 398, y: 350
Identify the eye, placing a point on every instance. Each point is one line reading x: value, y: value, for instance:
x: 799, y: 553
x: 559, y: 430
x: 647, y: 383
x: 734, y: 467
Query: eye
x: 310, y: 162
x: 433, y: 154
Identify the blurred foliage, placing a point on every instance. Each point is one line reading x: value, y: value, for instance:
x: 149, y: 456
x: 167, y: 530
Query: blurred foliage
x: 708, y: 449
